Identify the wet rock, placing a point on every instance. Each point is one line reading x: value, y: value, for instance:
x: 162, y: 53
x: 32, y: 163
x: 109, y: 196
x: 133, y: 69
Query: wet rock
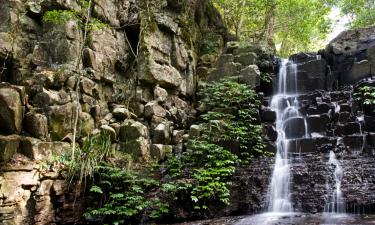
x: 317, y: 123
x: 355, y: 142
x: 268, y: 115
x: 323, y: 108
x: 271, y: 132
x: 295, y: 127
x: 345, y: 108
x: 348, y: 128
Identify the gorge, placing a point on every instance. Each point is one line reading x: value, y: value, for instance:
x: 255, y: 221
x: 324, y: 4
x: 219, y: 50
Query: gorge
x: 298, y: 148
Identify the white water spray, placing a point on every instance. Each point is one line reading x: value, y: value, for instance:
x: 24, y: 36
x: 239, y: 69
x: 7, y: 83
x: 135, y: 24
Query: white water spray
x: 285, y: 104
x: 336, y: 203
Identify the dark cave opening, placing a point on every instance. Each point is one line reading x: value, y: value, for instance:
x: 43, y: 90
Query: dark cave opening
x: 133, y: 34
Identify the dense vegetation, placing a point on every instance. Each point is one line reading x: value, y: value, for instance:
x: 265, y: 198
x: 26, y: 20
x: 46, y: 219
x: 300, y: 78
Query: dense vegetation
x: 293, y: 25
x: 200, y: 176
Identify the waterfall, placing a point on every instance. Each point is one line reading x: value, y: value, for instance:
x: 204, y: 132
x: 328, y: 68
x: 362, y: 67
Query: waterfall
x: 335, y: 203
x: 286, y: 105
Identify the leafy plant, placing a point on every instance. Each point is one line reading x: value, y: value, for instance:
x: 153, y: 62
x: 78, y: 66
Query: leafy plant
x: 232, y: 116
x: 81, y: 17
x: 265, y: 78
x: 124, y: 196
x: 366, y: 95
x: 95, y: 150
x: 204, y: 172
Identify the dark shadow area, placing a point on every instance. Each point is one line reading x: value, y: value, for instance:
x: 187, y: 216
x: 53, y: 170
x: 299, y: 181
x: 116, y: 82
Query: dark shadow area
x: 132, y: 32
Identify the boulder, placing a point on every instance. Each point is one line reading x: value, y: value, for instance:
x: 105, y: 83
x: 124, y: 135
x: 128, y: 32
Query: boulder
x: 268, y: 115
x: 317, y: 123
x: 295, y: 127
x: 177, y: 136
x: 358, y: 71
x: 311, y: 74
x: 61, y: 121
x: 271, y: 132
x: 348, y: 128
x: 161, y: 134
x: 138, y: 148
x: 88, y: 86
x: 37, y: 125
x: 131, y: 130
x: 160, y: 94
x: 159, y: 151
x: 231, y: 46
x: 11, y: 111
x: 36, y: 149
x: 9, y: 146
x: 194, y: 131
x: 121, y: 113
x: 355, y: 142
x: 166, y: 22
x: 164, y: 75
x: 47, y: 97
x: 87, y: 124
x: 246, y: 59
x: 250, y: 75
x: 154, y: 109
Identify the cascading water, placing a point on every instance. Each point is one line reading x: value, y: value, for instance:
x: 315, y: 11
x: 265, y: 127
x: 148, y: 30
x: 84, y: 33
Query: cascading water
x: 285, y: 104
x: 335, y: 202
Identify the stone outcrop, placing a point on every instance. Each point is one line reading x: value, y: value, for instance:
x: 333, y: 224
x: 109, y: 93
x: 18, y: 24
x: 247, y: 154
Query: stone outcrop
x: 136, y: 82
x: 347, y: 59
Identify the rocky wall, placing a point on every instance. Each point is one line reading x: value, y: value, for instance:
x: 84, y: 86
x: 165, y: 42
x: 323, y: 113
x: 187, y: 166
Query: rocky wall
x: 137, y: 81
x: 346, y: 60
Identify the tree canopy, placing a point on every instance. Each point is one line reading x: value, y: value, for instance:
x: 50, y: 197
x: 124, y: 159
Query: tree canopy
x: 293, y: 25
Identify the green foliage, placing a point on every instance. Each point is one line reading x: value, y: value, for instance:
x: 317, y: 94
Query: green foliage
x: 366, y: 95
x: 233, y: 117
x: 208, y: 168
x: 63, y: 16
x: 294, y: 25
x: 265, y: 78
x: 95, y: 150
x: 59, y: 16
x: 361, y: 13
x: 123, y: 196
x: 229, y: 93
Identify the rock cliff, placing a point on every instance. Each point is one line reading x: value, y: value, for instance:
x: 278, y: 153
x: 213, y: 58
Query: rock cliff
x: 137, y: 82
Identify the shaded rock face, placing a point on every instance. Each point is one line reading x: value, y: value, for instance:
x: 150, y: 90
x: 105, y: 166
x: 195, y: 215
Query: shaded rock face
x: 334, y: 122
x: 144, y: 105
x: 347, y: 59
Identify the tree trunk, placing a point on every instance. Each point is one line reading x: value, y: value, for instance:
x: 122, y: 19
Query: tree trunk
x: 240, y: 21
